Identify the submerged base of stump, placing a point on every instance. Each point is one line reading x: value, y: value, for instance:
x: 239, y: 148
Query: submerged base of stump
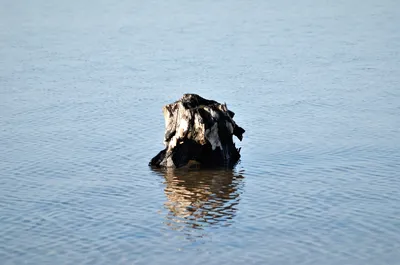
x: 198, y: 132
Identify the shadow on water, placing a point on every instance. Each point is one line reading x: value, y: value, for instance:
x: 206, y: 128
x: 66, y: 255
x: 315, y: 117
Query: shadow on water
x: 197, y: 199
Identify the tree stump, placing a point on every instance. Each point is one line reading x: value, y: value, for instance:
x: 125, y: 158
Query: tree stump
x: 198, y: 131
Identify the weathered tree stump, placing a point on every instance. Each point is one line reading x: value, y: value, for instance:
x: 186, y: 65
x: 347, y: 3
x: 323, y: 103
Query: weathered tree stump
x: 201, y: 131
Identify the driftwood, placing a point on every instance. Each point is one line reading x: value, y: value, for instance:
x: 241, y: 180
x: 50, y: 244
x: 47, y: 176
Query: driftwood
x: 198, y: 131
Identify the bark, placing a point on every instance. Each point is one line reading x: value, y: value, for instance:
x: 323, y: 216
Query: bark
x: 200, y: 131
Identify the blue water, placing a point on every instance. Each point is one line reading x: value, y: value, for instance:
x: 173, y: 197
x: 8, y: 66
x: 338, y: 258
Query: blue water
x: 315, y: 85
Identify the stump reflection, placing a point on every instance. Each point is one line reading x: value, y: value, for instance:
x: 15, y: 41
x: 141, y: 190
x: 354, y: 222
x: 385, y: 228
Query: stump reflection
x: 203, y: 198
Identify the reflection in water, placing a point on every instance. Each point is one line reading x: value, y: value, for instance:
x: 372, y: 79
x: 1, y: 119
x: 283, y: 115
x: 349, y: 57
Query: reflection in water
x: 199, y: 199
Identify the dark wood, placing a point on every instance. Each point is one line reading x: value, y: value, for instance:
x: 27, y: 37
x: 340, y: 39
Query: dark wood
x: 201, y: 130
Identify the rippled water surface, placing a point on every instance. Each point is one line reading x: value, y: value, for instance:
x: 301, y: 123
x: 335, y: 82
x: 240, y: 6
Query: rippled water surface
x: 315, y: 84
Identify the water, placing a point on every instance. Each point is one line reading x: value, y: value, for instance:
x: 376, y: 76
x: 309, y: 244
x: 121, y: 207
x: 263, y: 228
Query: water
x: 315, y: 85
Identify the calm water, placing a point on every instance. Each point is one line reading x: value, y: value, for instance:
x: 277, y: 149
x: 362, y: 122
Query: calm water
x: 315, y: 84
